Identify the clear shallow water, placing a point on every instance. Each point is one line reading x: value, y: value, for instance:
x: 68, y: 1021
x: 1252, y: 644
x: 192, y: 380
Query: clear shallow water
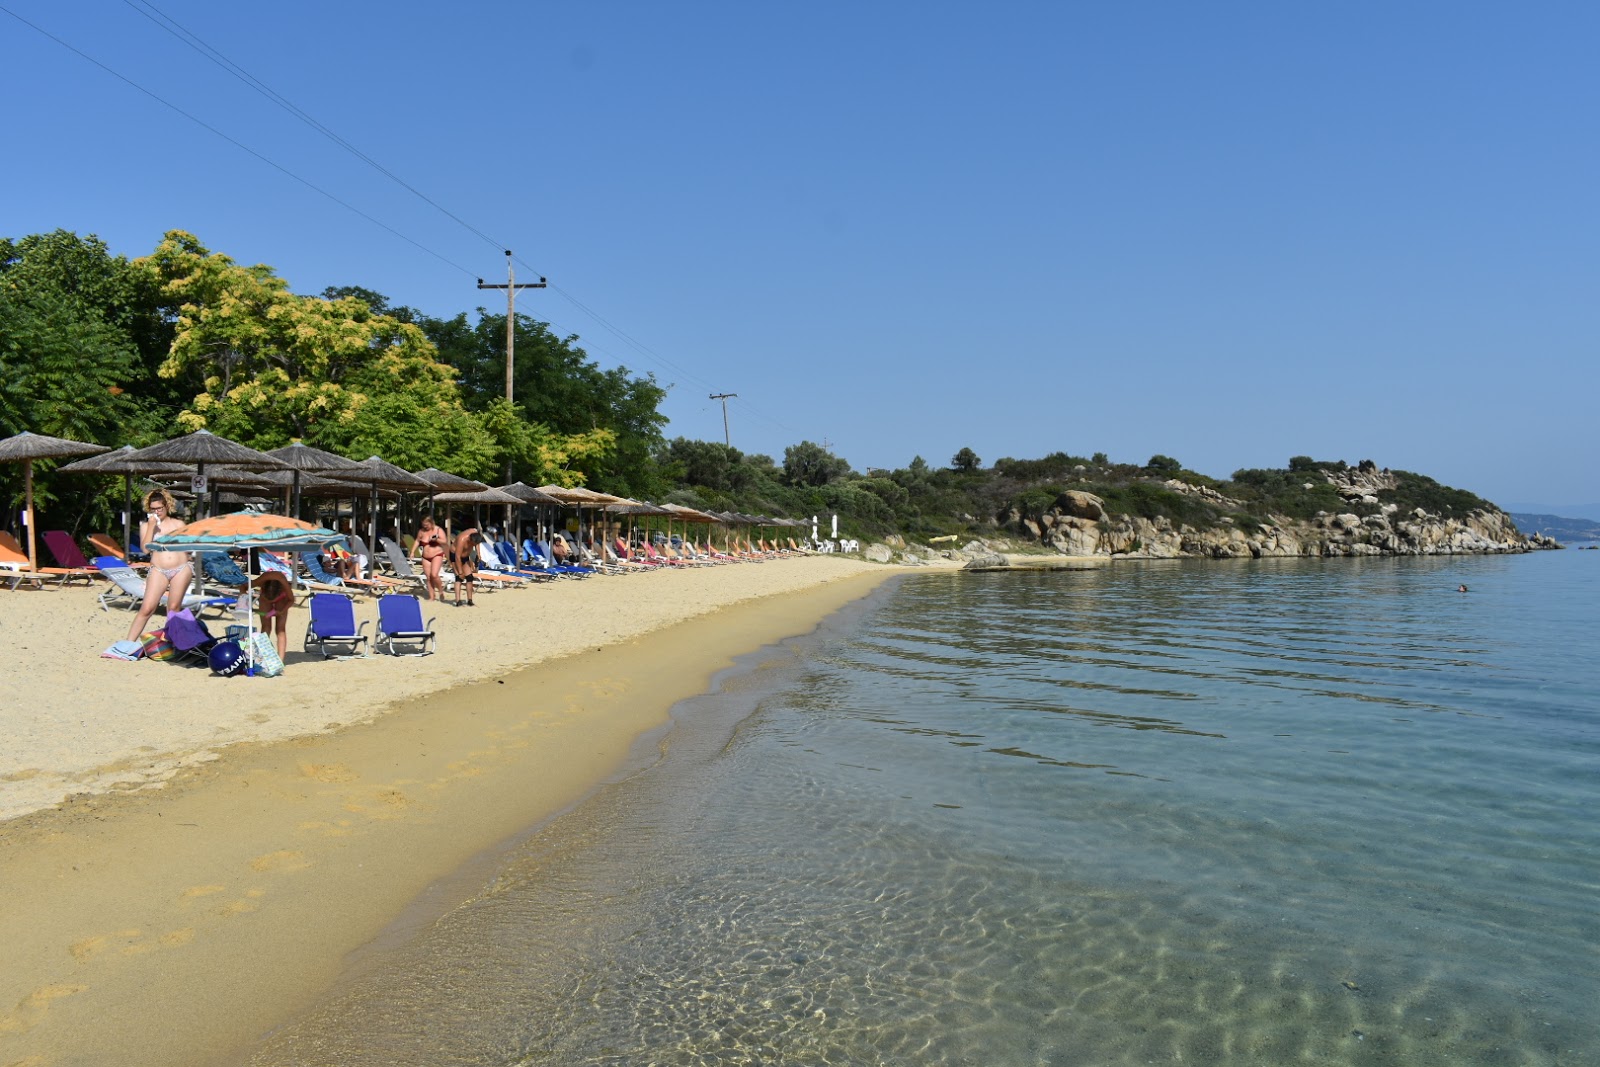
x: 1280, y: 812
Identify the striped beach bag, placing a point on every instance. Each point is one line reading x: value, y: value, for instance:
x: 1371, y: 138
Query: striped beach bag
x: 155, y: 645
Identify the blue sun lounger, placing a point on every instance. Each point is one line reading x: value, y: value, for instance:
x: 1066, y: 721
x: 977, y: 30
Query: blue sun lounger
x: 400, y: 623
x: 333, y: 623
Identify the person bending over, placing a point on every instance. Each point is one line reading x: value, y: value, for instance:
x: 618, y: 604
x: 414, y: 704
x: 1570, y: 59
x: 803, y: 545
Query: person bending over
x: 274, y: 598
x: 465, y: 563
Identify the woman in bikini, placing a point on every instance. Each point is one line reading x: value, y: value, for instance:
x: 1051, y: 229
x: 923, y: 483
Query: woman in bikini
x: 431, y: 546
x: 170, y: 572
x: 274, y: 598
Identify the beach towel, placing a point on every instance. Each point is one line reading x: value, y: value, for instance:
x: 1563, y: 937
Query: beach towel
x: 154, y: 645
x: 123, y: 650
x: 267, y: 661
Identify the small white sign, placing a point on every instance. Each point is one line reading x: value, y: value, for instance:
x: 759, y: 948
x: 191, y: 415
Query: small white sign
x: 197, y: 484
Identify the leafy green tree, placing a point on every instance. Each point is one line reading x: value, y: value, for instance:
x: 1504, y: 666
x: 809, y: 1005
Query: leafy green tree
x: 1160, y: 464
x: 556, y: 384
x: 809, y: 464
x: 966, y: 461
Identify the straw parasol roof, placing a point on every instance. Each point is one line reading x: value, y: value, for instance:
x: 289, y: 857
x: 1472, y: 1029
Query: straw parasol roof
x: 299, y: 456
x: 529, y: 495
x: 486, y: 495
x: 447, y: 482
x: 26, y: 447
x: 379, y: 473
x: 578, y: 496
x: 688, y: 514
x: 202, y: 447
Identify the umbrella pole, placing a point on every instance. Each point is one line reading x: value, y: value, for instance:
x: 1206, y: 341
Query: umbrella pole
x: 27, y: 481
x: 127, y: 514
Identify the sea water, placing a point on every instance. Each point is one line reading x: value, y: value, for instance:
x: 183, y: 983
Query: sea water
x: 1278, y: 812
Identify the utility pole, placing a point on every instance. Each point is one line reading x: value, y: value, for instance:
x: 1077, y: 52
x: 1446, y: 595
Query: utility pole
x: 724, y: 398
x: 511, y: 288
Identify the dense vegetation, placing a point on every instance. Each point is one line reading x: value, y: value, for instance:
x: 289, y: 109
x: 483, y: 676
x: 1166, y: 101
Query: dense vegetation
x: 101, y: 348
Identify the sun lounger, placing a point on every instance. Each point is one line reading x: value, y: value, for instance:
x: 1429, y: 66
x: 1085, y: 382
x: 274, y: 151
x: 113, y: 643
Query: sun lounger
x: 128, y: 588
x: 65, y: 550
x: 104, y: 544
x: 318, y: 574
x: 333, y: 623
x: 12, y: 558
x: 400, y: 623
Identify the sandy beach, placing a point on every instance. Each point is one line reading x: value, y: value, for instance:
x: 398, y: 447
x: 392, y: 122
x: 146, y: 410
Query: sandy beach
x: 187, y: 860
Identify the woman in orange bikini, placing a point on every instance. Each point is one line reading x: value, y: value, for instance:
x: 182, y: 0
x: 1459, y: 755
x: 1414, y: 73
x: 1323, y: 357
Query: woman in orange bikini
x: 431, y: 546
x: 170, y: 572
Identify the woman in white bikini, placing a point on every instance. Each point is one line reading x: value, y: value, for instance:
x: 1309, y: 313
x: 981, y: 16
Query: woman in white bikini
x: 170, y: 572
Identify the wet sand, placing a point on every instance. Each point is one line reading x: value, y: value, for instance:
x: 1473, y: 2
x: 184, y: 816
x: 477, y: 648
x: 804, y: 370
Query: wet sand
x: 174, y: 925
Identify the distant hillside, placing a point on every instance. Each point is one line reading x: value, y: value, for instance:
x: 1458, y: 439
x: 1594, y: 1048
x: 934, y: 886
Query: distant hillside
x: 1562, y: 529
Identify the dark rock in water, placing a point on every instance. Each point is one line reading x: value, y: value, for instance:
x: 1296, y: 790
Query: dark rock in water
x: 989, y: 561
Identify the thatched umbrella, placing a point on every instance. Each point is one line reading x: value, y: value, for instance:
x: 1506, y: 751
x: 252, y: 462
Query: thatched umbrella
x: 578, y: 498
x: 202, y: 447
x: 478, y: 497
x: 302, y: 458
x: 444, y: 482
x: 527, y: 494
x: 26, y: 447
x: 116, y: 462
x: 378, y: 473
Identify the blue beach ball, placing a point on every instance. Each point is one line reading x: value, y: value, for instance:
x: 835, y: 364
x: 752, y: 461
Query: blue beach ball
x: 226, y: 658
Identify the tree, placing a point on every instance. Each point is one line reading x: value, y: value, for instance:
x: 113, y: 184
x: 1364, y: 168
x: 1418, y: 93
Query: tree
x: 808, y: 464
x: 1160, y: 464
x: 555, y: 383
x: 268, y: 366
x: 966, y: 461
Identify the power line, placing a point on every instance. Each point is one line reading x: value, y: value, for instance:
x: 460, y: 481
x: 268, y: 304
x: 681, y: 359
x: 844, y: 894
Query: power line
x: 174, y: 28
x: 182, y: 33
x: 235, y: 142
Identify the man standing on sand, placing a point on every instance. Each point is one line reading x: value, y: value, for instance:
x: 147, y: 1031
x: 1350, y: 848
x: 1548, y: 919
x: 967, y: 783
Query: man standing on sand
x: 464, y: 560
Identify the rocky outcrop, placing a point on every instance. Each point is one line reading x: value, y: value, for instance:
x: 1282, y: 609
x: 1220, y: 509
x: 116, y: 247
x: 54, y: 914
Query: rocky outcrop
x: 1081, y: 527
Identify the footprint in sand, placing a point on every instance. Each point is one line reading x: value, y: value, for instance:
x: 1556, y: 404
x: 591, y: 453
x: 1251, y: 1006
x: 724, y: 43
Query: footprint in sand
x: 327, y: 829
x: 328, y: 772
x: 27, y: 1012
x: 200, y: 891
x: 284, y: 861
x: 251, y: 901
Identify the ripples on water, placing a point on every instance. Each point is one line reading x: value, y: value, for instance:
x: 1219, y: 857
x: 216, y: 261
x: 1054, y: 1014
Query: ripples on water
x: 1301, y: 812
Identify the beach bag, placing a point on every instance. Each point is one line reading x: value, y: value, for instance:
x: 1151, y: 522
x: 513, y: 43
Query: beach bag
x: 154, y: 645
x: 267, y: 661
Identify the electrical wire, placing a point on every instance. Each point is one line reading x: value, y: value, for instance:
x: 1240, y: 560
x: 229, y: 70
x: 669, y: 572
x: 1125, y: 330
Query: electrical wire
x: 235, y: 142
x: 171, y: 26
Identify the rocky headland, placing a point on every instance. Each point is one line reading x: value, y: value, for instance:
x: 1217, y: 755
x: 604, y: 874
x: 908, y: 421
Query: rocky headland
x: 1080, y: 524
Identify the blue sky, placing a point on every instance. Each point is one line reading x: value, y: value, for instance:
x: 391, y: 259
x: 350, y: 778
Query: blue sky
x: 1229, y: 233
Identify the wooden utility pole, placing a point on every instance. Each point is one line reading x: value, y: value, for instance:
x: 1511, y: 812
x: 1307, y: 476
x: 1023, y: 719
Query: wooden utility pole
x: 724, y: 398
x: 511, y: 288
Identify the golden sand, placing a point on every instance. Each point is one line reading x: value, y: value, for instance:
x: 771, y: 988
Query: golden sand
x: 173, y: 925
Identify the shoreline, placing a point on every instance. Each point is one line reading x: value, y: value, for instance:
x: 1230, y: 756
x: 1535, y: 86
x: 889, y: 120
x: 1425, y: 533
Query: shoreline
x: 178, y: 924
